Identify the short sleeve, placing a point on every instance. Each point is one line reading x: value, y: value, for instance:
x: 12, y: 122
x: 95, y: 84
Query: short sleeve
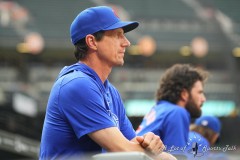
x: 82, y: 104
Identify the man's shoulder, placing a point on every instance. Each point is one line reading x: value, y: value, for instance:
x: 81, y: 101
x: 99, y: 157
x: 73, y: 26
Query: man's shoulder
x: 167, y: 106
x: 76, y: 77
x: 76, y: 82
x: 172, y: 112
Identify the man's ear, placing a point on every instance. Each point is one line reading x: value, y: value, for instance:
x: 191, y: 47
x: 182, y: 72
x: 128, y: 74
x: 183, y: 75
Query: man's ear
x: 91, y: 42
x: 184, y: 95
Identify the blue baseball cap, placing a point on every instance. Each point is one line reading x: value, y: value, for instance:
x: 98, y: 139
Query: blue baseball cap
x: 210, y: 122
x: 94, y: 19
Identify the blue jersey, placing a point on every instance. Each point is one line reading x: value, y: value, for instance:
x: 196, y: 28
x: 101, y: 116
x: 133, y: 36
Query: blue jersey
x: 201, y: 146
x: 170, y: 122
x: 204, y: 149
x: 79, y: 103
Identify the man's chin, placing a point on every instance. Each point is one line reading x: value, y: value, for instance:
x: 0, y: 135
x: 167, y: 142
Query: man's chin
x: 196, y: 114
x: 120, y: 64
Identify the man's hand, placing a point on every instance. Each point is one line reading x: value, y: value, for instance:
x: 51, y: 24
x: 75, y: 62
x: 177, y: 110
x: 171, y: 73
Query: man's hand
x: 151, y: 142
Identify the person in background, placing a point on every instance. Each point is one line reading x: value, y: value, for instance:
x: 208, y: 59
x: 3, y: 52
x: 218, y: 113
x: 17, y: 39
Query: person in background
x: 85, y: 113
x: 209, y: 127
x: 204, y: 133
x: 180, y: 97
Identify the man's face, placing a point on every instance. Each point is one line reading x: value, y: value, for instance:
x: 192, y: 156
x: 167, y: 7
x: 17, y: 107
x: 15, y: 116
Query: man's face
x: 111, y: 48
x: 195, y: 100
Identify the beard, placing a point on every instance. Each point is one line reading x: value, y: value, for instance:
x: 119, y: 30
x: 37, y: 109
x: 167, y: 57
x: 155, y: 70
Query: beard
x: 193, y: 108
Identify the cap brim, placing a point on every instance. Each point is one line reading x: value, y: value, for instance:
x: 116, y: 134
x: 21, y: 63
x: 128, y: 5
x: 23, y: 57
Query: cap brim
x: 126, y: 26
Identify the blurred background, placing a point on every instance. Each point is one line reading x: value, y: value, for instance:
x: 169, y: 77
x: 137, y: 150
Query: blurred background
x: 35, y: 45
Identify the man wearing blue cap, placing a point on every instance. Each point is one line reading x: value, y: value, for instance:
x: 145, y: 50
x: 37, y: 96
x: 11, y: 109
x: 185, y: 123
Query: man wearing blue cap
x: 209, y: 127
x: 85, y: 113
x: 204, y: 133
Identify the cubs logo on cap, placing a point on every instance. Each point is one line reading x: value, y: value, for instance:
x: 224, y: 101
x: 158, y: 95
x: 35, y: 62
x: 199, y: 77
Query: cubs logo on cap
x: 95, y: 19
x: 210, y: 122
